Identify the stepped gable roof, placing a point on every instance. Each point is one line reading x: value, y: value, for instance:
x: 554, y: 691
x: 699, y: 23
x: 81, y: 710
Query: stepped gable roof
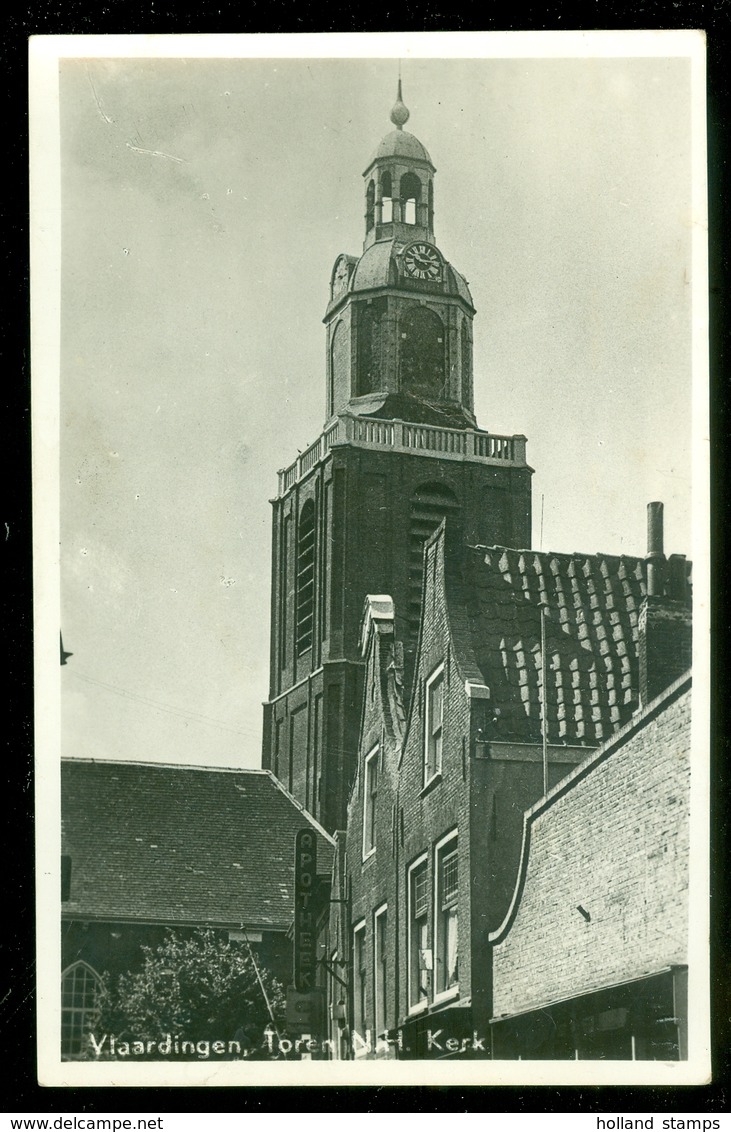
x: 181, y: 845
x: 592, y: 605
x: 377, y: 629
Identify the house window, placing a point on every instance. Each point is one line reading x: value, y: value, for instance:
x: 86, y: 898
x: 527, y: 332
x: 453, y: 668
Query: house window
x: 420, y: 958
x: 433, y: 725
x: 380, y: 921
x: 359, y: 981
x: 369, y: 803
x: 446, y: 915
x: 337, y: 1007
x: 79, y: 991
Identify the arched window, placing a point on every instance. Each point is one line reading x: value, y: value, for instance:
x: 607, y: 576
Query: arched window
x: 421, y: 355
x: 80, y: 986
x: 339, y: 369
x: 370, y: 205
x: 466, y: 366
x: 386, y: 198
x: 370, y: 317
x: 431, y: 206
x: 305, y: 577
x: 410, y: 193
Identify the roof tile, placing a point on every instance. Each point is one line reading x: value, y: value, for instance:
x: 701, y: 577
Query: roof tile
x: 591, y: 604
x: 181, y: 844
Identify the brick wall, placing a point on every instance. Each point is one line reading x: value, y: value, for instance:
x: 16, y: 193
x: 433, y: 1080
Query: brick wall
x: 613, y: 839
x: 480, y: 796
x: 372, y: 879
x: 432, y: 812
x: 363, y: 517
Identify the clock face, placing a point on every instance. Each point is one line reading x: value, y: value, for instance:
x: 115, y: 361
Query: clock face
x: 422, y: 261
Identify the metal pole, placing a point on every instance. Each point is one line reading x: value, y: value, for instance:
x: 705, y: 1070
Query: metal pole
x: 261, y: 984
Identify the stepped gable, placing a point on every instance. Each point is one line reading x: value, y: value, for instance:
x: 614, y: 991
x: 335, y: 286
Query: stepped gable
x: 181, y: 844
x: 592, y: 605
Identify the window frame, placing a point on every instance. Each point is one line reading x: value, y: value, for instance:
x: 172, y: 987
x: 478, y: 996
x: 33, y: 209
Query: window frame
x: 370, y: 801
x: 415, y: 1005
x: 305, y: 579
x: 77, y: 1020
x: 443, y: 849
x: 360, y: 979
x: 334, y: 1000
x: 437, y: 676
x: 380, y: 1002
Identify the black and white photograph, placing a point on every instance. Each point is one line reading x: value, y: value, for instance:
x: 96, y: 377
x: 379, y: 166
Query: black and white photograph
x: 370, y: 432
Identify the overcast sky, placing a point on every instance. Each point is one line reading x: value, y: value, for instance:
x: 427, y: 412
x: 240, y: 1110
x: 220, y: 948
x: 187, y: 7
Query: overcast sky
x: 203, y: 205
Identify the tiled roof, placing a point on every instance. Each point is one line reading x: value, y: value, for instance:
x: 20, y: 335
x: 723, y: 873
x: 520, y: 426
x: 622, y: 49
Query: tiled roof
x: 592, y: 605
x: 177, y: 844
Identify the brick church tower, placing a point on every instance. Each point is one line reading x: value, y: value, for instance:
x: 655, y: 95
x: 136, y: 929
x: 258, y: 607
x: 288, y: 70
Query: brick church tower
x: 400, y: 450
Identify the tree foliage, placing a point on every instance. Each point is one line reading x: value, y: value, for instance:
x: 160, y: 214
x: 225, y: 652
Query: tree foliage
x: 197, y: 986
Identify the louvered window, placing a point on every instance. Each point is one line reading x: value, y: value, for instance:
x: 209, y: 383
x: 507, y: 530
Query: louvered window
x: 305, y: 577
x: 429, y: 505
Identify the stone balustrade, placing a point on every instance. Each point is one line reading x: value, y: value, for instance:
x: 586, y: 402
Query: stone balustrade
x: 403, y: 436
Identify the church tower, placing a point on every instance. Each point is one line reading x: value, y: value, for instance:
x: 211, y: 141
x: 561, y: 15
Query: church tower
x: 399, y: 452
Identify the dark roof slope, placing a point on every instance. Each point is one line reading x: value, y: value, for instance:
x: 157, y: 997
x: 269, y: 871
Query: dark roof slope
x: 178, y: 844
x: 592, y: 605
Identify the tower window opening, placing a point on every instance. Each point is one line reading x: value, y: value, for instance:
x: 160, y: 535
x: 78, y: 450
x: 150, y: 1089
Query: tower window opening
x: 410, y: 192
x: 339, y: 391
x: 386, y: 199
x: 466, y: 367
x: 370, y: 205
x: 305, y: 577
x: 370, y: 324
x: 421, y: 362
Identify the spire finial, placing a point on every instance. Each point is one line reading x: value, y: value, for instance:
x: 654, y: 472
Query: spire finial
x: 399, y: 113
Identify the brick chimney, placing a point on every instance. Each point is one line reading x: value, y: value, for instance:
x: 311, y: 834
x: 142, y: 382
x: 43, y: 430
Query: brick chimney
x: 665, y: 631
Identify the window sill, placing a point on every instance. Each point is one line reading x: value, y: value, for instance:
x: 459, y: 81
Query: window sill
x: 419, y: 1008
x: 429, y: 786
x: 371, y: 853
x: 446, y: 995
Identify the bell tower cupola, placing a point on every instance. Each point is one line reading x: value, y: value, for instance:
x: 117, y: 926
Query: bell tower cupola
x: 399, y: 185
x: 399, y: 319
